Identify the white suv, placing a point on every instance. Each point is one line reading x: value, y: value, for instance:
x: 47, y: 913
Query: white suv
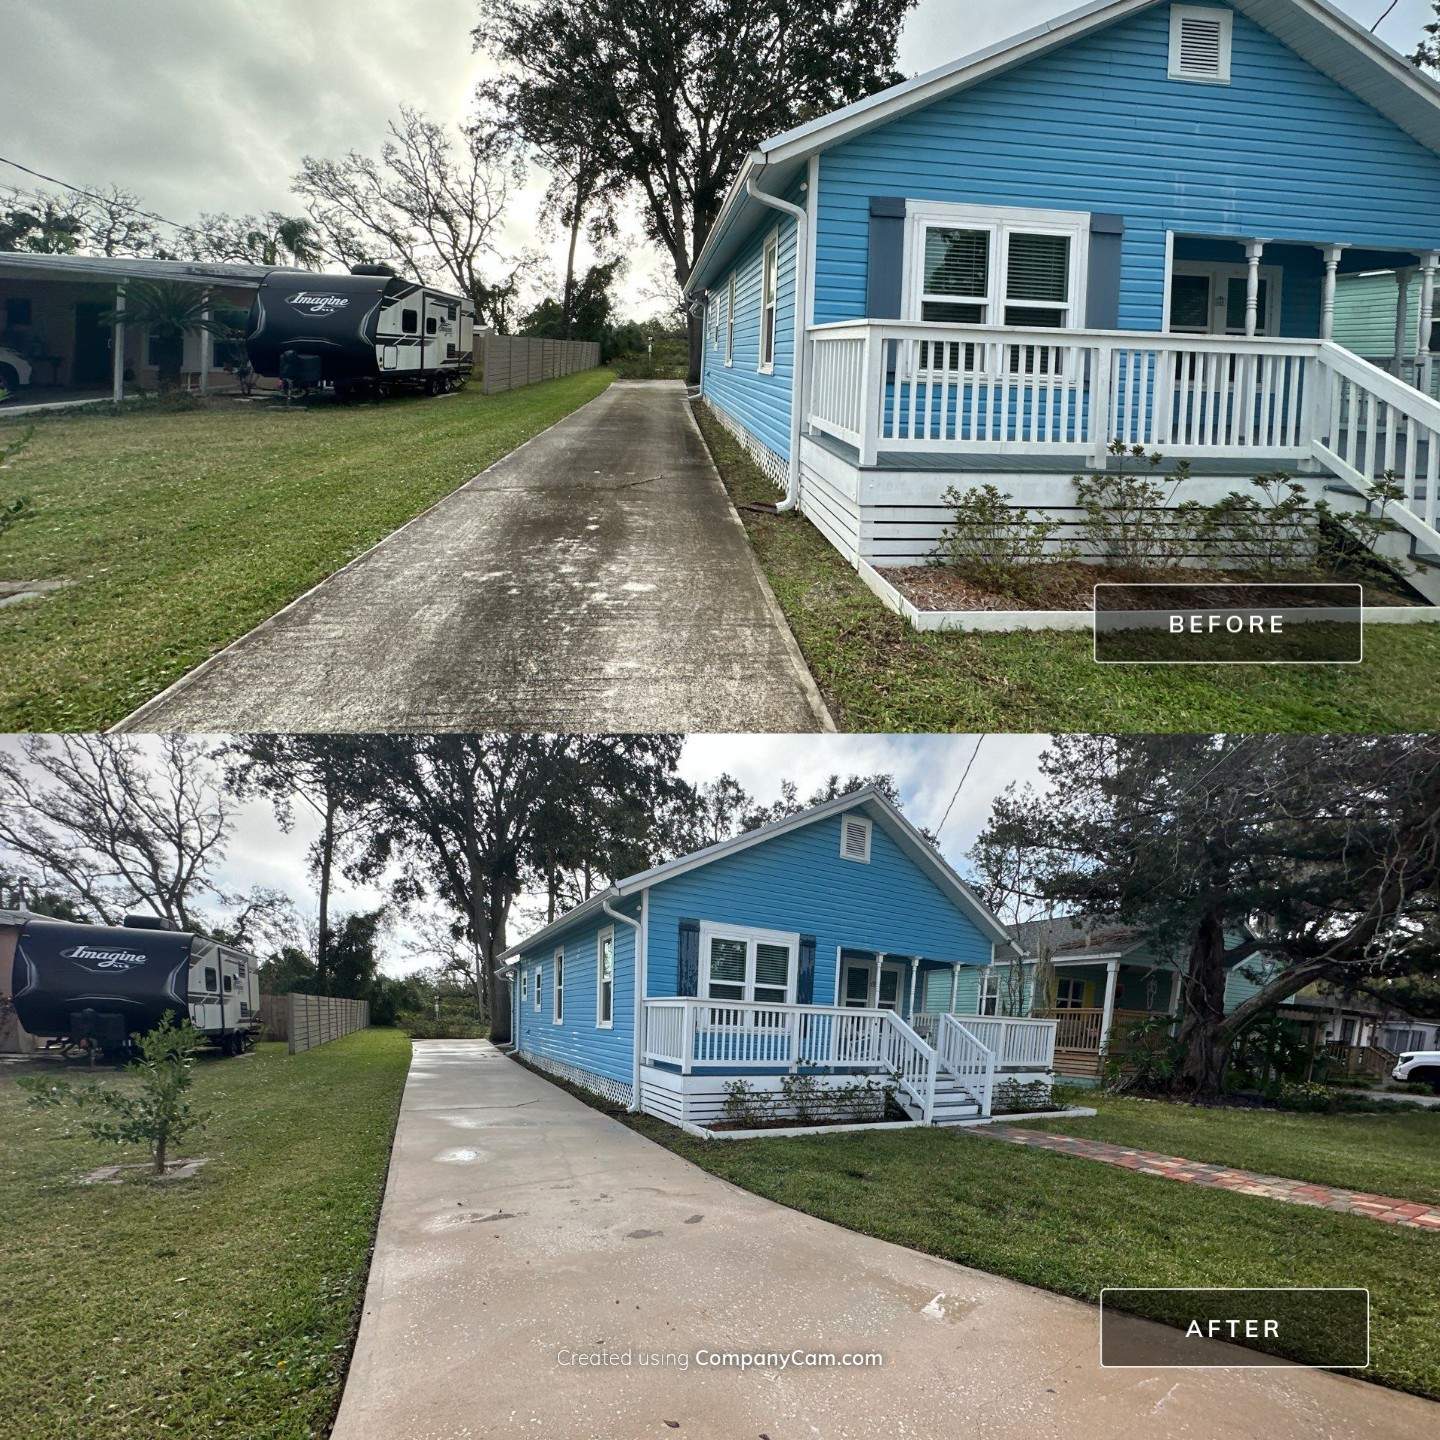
x: 14, y: 370
x: 1421, y: 1065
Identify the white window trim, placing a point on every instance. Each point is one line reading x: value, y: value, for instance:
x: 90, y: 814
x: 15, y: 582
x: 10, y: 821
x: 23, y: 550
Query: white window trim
x: 769, y: 253
x: 1068, y: 981
x: 711, y: 930
x: 1200, y: 12
x: 999, y: 221
x: 524, y: 984
x: 535, y: 989
x: 557, y: 989
x: 989, y: 992
x: 1220, y: 273
x: 730, y: 320
x: 868, y: 825
x: 608, y: 933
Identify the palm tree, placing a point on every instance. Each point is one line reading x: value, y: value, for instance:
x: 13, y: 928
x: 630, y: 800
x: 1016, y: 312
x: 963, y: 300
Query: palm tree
x: 169, y: 312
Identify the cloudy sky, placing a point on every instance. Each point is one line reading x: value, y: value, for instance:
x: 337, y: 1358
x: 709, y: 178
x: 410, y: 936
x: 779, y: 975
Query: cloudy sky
x: 927, y: 768
x: 210, y: 106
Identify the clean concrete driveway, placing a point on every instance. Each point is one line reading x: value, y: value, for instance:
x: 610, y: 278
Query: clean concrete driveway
x: 521, y: 1228
x: 595, y: 579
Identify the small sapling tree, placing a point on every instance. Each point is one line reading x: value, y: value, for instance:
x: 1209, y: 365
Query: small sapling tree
x: 158, y: 1113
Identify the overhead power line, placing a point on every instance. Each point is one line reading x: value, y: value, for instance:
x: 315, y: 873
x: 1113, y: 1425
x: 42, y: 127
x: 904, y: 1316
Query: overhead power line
x: 979, y: 740
x: 93, y: 195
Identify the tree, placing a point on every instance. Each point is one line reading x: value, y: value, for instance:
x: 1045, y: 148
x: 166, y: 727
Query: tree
x: 583, y: 314
x: 473, y: 818
x: 112, y: 223
x: 315, y: 771
x: 97, y: 818
x: 40, y: 223
x: 262, y: 918
x: 1321, y: 854
x: 834, y: 786
x: 270, y: 238
x: 1427, y: 52
x: 157, y: 1114
x: 17, y: 894
x: 433, y: 204
x: 289, y: 969
x: 169, y: 311
x: 676, y: 97
x: 354, y: 961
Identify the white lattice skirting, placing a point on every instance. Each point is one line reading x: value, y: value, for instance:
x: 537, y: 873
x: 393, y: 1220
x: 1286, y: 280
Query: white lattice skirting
x: 615, y: 1090
x: 772, y: 464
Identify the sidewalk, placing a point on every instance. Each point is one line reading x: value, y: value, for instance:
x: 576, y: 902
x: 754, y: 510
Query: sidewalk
x: 1411, y: 1215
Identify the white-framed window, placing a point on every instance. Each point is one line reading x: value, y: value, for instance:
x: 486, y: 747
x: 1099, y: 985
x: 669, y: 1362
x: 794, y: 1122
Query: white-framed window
x: 524, y: 986
x: 989, y: 994
x: 740, y: 963
x: 712, y: 313
x: 535, y: 989
x: 730, y: 319
x: 1200, y: 42
x: 991, y: 265
x: 1069, y: 993
x: 557, y: 1014
x: 855, y: 839
x: 769, y: 292
x: 605, y: 979
x: 1208, y: 298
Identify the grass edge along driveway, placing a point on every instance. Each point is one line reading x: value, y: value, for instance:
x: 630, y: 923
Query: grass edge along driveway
x: 878, y: 674
x: 177, y: 531
x: 223, y: 1305
x: 1073, y: 1226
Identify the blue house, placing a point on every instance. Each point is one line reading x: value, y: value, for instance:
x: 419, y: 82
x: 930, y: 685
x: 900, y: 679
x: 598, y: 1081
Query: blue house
x: 835, y: 945
x: 1125, y: 224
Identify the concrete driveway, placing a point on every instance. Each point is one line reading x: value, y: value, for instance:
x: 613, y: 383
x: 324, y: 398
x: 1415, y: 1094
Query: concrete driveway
x: 522, y: 1229
x: 595, y: 579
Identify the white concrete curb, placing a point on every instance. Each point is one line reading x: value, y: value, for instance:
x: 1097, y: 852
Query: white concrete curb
x: 787, y: 1131
x: 1075, y: 1112
x: 1012, y: 620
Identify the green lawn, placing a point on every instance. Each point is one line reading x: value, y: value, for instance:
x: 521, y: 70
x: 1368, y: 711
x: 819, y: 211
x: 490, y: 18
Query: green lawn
x: 1075, y: 1226
x: 879, y: 674
x: 179, y: 531
x: 1391, y: 1154
x: 223, y: 1305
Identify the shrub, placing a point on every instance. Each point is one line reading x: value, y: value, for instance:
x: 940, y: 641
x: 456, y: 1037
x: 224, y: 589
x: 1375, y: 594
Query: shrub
x: 1270, y: 531
x: 801, y: 1094
x: 158, y: 1114
x: 1012, y: 1097
x: 742, y: 1107
x: 1120, y: 523
x: 994, y: 543
x: 1348, y: 538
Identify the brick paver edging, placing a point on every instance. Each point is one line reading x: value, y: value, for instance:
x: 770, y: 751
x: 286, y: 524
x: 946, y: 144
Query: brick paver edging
x: 1225, y: 1177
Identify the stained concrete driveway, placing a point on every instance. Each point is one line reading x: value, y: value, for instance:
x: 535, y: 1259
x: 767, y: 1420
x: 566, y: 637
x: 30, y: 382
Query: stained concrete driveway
x: 595, y: 579
x: 522, y: 1229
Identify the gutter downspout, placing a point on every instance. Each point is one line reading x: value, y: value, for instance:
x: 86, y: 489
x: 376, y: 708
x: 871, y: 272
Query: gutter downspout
x: 802, y: 257
x: 639, y: 927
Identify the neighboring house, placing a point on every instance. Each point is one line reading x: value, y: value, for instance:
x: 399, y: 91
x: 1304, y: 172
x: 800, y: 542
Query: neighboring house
x: 823, y: 944
x: 1108, y: 976
x: 1127, y: 223
x: 53, y: 323
x: 1370, y: 321
x: 13, y: 1039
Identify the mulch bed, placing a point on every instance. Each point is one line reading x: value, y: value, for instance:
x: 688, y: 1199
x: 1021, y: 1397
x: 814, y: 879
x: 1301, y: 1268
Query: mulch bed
x: 1069, y: 585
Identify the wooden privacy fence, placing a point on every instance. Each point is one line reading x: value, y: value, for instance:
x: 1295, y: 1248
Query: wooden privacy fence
x: 509, y: 361
x: 313, y: 1020
x: 274, y: 1017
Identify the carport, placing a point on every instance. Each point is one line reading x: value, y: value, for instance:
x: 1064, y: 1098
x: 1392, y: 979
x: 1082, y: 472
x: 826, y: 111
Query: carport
x: 57, y: 341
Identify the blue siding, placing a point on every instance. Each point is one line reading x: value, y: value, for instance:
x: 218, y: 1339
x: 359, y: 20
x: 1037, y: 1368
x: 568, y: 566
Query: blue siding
x: 579, y: 1041
x: 761, y: 402
x: 1282, y: 152
x: 798, y: 883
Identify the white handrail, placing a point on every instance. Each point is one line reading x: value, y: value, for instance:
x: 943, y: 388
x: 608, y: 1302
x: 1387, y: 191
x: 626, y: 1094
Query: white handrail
x: 968, y: 1059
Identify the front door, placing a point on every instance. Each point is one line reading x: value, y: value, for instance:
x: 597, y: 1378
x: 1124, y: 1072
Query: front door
x: 91, y: 365
x: 1209, y: 299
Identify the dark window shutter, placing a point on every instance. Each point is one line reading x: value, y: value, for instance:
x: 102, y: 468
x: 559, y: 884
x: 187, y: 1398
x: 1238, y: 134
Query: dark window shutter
x: 886, y: 262
x: 805, y: 980
x: 1102, y: 285
x: 687, y: 959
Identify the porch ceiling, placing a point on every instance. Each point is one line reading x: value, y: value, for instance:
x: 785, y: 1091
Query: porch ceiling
x: 1354, y: 259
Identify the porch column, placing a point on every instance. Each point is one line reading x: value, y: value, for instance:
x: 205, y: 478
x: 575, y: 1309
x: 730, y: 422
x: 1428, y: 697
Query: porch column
x: 954, y: 987
x: 1327, y: 300
x: 1254, y: 249
x: 117, y: 341
x: 1112, y: 971
x: 1402, y: 305
x: 914, y: 976
x: 1426, y: 320
x: 206, y: 348
x: 875, y: 983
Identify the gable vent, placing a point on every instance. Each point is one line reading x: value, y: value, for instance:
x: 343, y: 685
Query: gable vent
x: 1200, y: 44
x: 855, y: 839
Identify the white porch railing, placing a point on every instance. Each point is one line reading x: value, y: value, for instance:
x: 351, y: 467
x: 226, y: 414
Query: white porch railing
x: 695, y: 1034
x: 921, y: 387
x: 1017, y: 1044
